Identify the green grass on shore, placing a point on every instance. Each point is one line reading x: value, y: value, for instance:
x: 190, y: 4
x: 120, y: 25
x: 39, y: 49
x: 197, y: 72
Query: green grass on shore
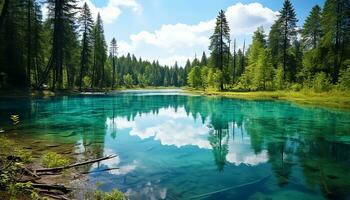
x: 333, y: 99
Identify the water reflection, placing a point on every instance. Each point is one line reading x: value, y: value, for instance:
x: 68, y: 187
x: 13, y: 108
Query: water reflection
x: 176, y: 146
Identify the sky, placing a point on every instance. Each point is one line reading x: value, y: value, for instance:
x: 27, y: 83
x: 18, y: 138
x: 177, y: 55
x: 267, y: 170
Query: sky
x: 177, y: 30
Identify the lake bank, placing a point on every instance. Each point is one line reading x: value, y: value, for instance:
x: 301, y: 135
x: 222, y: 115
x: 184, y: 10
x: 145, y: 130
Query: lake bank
x: 334, y: 100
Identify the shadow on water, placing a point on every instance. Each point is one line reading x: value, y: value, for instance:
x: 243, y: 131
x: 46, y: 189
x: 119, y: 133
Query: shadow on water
x: 173, y: 146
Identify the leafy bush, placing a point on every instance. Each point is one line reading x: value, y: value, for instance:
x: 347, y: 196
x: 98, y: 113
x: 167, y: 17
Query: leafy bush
x: 100, y: 195
x: 128, y: 81
x: 278, y: 79
x: 296, y: 87
x: 194, y: 77
x: 344, y: 79
x: 86, y: 81
x: 321, y: 83
x: 53, y: 159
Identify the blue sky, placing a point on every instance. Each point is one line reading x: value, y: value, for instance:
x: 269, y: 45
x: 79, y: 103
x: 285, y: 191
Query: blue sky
x: 169, y: 30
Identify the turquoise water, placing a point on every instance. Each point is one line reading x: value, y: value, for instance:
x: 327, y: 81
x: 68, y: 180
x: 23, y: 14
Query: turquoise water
x: 176, y: 146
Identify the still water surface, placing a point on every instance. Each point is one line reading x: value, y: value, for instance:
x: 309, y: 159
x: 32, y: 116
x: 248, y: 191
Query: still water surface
x: 176, y: 146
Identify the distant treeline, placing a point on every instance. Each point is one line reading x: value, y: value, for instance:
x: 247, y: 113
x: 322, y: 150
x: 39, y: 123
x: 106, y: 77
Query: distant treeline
x: 68, y: 50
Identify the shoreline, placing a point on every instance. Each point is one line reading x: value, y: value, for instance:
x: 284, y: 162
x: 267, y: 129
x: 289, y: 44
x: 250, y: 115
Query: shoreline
x: 330, y: 100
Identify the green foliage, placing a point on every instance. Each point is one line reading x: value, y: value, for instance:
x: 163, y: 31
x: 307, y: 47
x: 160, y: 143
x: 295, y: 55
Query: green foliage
x: 278, y: 79
x: 142, y: 80
x: 216, y: 81
x: 86, y: 81
x: 128, y: 81
x: 321, y: 83
x: 219, y: 43
x: 344, y: 79
x: 52, y: 159
x: 194, y: 78
x: 16, y: 189
x: 100, y: 195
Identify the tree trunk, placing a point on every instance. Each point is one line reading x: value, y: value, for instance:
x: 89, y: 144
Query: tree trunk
x: 29, y: 42
x: 113, y: 77
x: 4, y: 13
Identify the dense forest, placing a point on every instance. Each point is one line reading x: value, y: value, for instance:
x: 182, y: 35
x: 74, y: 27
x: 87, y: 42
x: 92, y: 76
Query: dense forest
x: 68, y: 50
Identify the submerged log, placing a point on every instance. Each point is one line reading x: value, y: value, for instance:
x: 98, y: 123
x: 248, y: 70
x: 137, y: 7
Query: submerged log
x: 74, y: 165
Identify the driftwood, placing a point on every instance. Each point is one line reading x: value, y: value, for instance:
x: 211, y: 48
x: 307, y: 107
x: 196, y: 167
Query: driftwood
x: 52, y: 191
x: 74, y: 165
x: 61, y: 188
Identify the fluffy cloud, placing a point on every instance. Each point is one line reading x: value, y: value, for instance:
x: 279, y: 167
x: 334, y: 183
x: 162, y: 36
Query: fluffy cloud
x: 110, y: 12
x: 177, y: 42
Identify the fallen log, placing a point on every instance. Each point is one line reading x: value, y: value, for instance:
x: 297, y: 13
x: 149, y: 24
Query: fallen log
x: 74, y: 165
x: 61, y: 188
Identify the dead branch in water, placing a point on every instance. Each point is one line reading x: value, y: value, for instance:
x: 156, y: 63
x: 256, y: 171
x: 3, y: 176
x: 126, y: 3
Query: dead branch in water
x: 103, y: 170
x: 74, y: 165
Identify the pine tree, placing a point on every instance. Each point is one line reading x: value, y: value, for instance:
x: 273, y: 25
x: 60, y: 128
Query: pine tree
x: 219, y: 43
x: 312, y: 31
x: 204, y: 60
x: 62, y: 14
x: 86, y: 23
x: 335, y: 48
x: 287, y: 21
x: 100, y: 49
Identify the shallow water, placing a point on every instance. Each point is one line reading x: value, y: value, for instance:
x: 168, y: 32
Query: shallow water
x: 176, y: 146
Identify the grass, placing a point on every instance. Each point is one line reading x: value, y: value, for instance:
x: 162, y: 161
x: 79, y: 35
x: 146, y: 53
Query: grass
x: 52, y: 159
x: 332, y: 99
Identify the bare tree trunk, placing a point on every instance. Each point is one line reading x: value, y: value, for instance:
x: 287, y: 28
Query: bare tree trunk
x: 29, y: 42
x: 4, y: 13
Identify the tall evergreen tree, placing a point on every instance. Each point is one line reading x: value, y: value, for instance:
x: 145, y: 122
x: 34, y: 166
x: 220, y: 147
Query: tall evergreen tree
x: 219, y: 43
x: 204, y: 60
x: 62, y: 14
x: 287, y: 21
x: 100, y: 49
x: 311, y: 31
x: 335, y: 48
x: 86, y: 23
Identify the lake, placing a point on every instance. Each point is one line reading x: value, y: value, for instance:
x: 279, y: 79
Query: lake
x: 172, y: 145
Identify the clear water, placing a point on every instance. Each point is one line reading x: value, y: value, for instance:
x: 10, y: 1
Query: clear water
x: 176, y: 146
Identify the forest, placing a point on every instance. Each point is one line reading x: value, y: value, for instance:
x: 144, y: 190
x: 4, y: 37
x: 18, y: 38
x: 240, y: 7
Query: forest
x: 68, y: 50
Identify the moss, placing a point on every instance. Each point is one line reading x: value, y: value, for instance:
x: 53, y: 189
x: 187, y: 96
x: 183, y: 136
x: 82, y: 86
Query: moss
x: 52, y: 159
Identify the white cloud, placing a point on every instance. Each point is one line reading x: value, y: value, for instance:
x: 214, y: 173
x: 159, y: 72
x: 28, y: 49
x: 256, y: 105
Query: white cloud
x: 181, y: 41
x: 110, y: 12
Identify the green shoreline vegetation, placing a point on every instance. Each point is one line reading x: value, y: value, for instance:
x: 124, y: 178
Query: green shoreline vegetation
x: 13, y: 183
x: 333, y: 100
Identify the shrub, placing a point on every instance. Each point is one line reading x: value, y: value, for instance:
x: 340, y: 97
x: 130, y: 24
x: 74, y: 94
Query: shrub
x: 278, y: 79
x: 86, y: 81
x: 296, y: 87
x: 53, y: 159
x: 128, y: 81
x: 321, y: 82
x: 344, y: 79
